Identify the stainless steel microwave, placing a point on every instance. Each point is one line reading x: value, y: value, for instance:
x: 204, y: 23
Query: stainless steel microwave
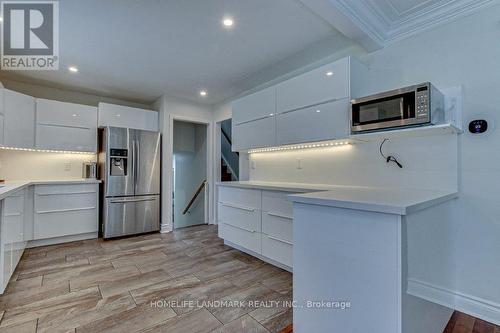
x: 417, y: 105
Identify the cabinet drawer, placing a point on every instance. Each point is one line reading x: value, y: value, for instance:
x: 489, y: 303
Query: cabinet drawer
x: 75, y: 138
x: 319, y: 123
x: 243, y: 238
x: 66, y: 189
x: 241, y: 217
x: 242, y: 197
x: 65, y: 114
x: 57, y: 224
x: 277, y: 225
x: 56, y: 202
x: 277, y: 203
x: 314, y: 87
x: 277, y: 249
x: 255, y: 134
x: 255, y: 106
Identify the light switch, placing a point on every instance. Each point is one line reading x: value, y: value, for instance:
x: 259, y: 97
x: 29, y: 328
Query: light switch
x: 253, y: 165
x: 299, y: 163
x: 67, y: 166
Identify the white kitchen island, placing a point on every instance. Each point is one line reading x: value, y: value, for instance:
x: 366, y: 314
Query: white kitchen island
x: 364, y: 260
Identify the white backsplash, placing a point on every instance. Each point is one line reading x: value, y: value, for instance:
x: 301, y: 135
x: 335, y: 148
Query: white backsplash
x: 429, y: 163
x: 27, y: 165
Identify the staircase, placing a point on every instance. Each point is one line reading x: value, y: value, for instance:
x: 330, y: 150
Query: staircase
x: 229, y: 159
x: 226, y: 174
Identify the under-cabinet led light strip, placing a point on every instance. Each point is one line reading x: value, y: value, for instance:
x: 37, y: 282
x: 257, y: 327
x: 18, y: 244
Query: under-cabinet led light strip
x: 302, y: 146
x: 48, y: 151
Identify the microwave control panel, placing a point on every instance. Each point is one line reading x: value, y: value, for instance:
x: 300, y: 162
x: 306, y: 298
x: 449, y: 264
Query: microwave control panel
x: 422, y: 102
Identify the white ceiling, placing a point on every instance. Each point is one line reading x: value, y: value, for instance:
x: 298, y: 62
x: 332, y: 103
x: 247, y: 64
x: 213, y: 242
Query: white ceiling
x: 139, y: 50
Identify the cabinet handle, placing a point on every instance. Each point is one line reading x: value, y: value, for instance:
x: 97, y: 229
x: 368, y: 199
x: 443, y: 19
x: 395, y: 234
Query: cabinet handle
x: 279, y: 240
x: 237, y: 227
x: 238, y: 207
x: 280, y: 215
x: 65, y: 210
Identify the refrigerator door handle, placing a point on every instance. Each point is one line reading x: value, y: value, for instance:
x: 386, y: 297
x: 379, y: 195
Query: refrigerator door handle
x: 131, y: 200
x: 134, y: 162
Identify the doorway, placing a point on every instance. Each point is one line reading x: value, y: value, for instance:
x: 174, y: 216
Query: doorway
x: 190, y: 190
x: 229, y: 160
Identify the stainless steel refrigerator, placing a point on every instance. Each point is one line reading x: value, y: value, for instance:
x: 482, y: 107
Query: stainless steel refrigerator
x: 129, y: 165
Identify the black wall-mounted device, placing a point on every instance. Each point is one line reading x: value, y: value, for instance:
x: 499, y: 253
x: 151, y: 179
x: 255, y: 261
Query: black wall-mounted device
x: 478, y: 126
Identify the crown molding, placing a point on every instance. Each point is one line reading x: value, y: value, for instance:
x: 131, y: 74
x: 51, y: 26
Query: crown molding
x: 368, y: 23
x: 433, y: 16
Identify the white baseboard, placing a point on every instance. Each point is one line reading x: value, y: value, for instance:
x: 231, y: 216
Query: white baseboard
x: 166, y: 228
x: 60, y: 240
x: 474, y: 306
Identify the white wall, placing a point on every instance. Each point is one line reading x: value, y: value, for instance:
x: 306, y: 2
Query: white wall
x: 26, y: 165
x: 465, y: 52
x: 171, y: 109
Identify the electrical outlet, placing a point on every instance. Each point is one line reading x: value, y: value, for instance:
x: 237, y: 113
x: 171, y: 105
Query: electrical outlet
x: 67, y: 166
x: 299, y: 163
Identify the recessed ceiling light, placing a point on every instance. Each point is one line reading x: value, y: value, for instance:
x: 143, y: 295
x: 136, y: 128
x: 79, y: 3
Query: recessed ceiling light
x: 73, y: 69
x: 329, y: 73
x: 203, y: 93
x: 74, y: 115
x: 1, y: 19
x: 228, y: 22
x: 318, y: 111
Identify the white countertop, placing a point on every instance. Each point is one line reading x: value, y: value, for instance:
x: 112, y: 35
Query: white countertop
x: 279, y: 186
x: 11, y: 186
x: 382, y: 200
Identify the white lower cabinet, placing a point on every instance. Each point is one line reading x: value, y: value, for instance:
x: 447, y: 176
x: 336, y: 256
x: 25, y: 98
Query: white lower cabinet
x: 12, y: 235
x: 43, y: 212
x: 63, y: 210
x: 257, y: 220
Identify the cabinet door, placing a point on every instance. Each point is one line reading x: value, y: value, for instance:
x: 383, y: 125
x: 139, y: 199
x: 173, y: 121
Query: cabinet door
x: 2, y: 116
x: 255, y: 134
x: 76, y: 123
x: 75, y: 139
x: 124, y: 116
x: 19, y: 123
x: 255, y: 106
x: 321, y: 85
x: 323, y: 122
x: 2, y: 121
x: 65, y: 114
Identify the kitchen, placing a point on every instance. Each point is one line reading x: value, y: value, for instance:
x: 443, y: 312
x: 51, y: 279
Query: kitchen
x: 307, y: 182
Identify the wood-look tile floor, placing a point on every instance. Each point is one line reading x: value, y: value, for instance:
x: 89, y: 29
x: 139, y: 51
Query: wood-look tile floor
x: 185, y: 281
x: 462, y: 323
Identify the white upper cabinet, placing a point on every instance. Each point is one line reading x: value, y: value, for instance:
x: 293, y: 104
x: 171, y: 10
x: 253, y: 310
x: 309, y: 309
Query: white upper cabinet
x: 322, y: 122
x: 311, y: 107
x: 327, y: 83
x: 76, y: 123
x: 254, y: 134
x: 19, y: 122
x: 259, y: 105
x: 124, y: 116
x: 2, y: 117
